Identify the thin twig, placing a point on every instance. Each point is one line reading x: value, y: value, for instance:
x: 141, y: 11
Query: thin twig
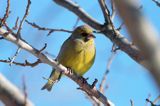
x: 26, y: 63
x: 76, y: 23
x: 6, y: 15
x: 45, y: 45
x: 24, y: 90
x: 157, y: 2
x: 113, y: 10
x: 106, y: 12
x: 120, y: 27
x: 50, y: 30
x: 22, y: 21
x: 156, y: 100
x: 108, y: 21
x: 101, y: 87
x: 15, y: 55
x: 149, y: 96
x: 94, y: 83
x: 132, y: 103
x: 16, y: 24
x: 149, y: 101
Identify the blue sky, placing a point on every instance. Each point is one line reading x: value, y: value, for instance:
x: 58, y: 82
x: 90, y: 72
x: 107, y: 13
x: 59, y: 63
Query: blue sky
x: 126, y: 80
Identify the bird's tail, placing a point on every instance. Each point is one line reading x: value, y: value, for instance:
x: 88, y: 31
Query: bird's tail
x: 54, y: 77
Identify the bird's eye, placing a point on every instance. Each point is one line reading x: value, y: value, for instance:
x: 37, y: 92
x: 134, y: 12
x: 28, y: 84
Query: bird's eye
x: 84, y: 34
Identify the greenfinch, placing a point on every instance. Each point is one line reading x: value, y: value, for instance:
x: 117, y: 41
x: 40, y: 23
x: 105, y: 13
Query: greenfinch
x: 77, y: 53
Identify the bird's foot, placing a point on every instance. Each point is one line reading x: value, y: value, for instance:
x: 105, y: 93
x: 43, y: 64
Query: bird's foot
x: 69, y: 70
x: 94, y: 83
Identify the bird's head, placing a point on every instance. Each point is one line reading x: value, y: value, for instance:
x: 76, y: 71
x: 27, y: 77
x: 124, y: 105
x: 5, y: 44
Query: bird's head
x: 83, y: 32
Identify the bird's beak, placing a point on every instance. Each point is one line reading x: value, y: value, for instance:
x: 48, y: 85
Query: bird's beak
x: 91, y: 36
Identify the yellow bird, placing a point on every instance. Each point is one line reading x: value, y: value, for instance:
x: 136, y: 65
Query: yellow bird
x: 77, y: 53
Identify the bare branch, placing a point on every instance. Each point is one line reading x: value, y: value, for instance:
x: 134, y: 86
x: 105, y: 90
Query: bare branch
x: 16, y: 24
x: 15, y: 55
x: 148, y: 44
x: 150, y: 102
x: 156, y: 100
x: 132, y: 103
x: 105, y: 11
x: 113, y: 10
x: 77, y: 21
x: 50, y: 30
x: 24, y: 17
x: 101, y: 87
x: 23, y: 64
x: 70, y: 5
x: 157, y: 3
x: 11, y: 95
x: 86, y: 87
x: 149, y: 96
x: 3, y: 20
x: 24, y: 89
x: 120, y: 27
x: 45, y: 45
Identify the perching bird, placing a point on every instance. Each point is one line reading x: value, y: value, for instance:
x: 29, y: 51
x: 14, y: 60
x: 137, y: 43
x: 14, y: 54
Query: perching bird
x: 77, y: 53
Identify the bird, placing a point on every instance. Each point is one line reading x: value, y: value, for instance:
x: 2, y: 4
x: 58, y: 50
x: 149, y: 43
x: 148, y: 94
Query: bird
x: 77, y: 53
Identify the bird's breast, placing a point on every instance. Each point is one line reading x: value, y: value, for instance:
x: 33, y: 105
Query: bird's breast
x: 77, y: 55
x: 84, y: 58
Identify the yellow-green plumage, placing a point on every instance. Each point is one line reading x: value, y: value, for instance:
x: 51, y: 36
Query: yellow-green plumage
x: 77, y: 53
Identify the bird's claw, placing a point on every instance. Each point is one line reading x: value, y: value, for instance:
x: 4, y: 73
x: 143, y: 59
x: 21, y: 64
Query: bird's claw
x: 70, y: 70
